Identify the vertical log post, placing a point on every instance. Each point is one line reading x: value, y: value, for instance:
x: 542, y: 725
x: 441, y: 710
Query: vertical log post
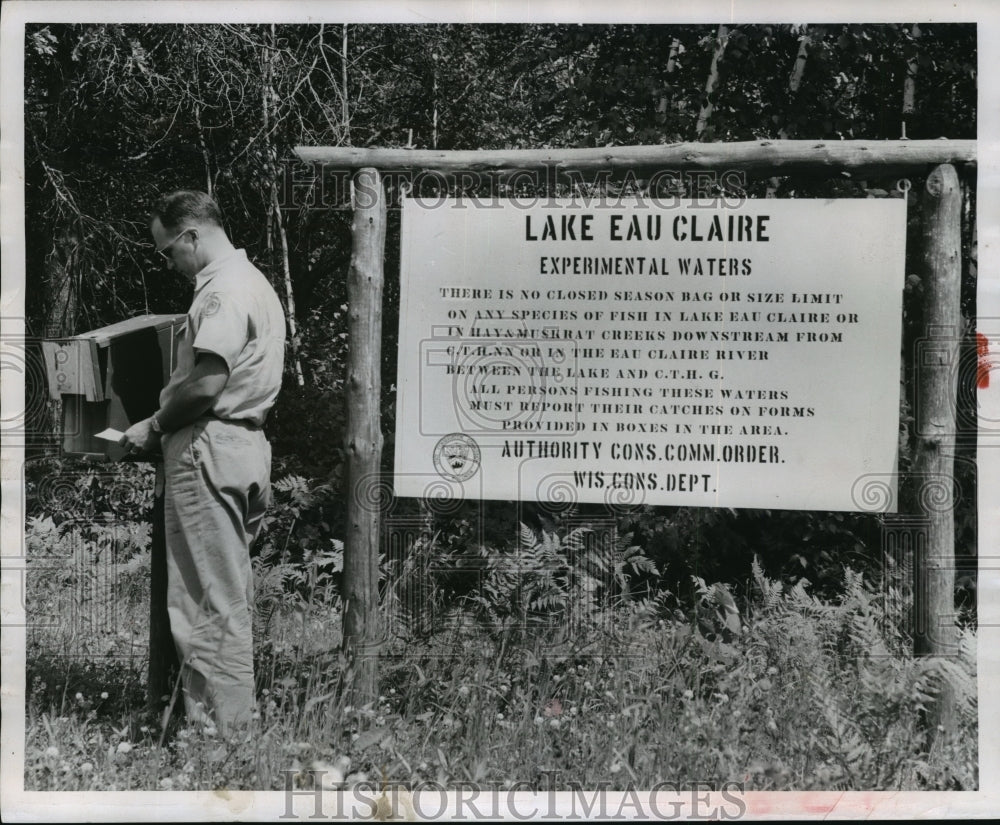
x: 363, y: 439
x: 937, y: 384
x: 162, y: 653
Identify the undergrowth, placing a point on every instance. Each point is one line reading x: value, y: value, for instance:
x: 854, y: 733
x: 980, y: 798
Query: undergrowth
x: 787, y: 691
x: 556, y: 653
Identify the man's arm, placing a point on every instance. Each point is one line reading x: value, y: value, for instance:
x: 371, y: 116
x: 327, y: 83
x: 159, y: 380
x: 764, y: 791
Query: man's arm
x: 192, y: 398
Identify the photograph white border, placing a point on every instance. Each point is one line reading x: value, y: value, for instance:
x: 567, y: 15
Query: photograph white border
x: 19, y: 805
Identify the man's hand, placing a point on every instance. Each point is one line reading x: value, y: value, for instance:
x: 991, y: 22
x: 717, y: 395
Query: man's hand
x: 141, y: 437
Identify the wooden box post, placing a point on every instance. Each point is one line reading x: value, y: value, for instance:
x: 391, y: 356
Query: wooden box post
x: 363, y: 438
x: 163, y: 665
x: 937, y: 384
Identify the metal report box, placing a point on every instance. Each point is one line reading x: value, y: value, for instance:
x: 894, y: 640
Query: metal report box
x: 110, y: 377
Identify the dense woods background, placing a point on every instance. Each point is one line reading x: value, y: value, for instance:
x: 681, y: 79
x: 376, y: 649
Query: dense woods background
x: 117, y: 114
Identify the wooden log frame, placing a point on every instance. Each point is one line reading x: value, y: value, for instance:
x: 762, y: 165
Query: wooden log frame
x: 765, y: 157
x: 937, y: 385
x: 937, y: 377
x: 363, y: 436
x: 933, y: 466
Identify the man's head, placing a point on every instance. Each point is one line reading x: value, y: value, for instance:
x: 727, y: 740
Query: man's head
x: 187, y: 230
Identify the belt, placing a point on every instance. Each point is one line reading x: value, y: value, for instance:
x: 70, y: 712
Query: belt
x: 239, y: 422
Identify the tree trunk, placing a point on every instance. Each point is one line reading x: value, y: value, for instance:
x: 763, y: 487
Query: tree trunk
x: 434, y: 100
x: 799, y: 66
x: 661, y: 107
x: 286, y: 269
x: 60, y: 286
x: 61, y: 309
x: 363, y: 438
x: 345, y: 111
x: 713, y: 78
x: 794, y: 81
x: 675, y: 48
x: 933, y: 469
x: 274, y: 217
x: 910, y: 84
x: 205, y: 156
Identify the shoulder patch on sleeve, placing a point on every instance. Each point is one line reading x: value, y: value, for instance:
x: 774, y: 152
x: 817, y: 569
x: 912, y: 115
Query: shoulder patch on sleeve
x: 213, y: 303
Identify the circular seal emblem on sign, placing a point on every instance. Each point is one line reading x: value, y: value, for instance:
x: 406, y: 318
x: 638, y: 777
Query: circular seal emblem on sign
x: 457, y: 457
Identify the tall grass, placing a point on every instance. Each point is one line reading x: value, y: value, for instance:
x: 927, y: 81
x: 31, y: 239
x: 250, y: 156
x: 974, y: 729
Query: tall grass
x: 792, y: 692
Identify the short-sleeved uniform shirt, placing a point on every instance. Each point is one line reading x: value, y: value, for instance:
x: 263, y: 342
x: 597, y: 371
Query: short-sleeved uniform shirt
x: 236, y: 315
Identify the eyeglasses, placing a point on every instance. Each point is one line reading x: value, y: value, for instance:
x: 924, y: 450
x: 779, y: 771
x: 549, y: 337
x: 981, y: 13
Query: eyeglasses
x: 163, y: 249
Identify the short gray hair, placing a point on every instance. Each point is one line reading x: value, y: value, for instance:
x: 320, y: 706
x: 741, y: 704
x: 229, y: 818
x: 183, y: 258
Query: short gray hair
x: 184, y: 207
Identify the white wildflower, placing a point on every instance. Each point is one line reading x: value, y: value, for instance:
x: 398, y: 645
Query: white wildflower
x: 330, y: 777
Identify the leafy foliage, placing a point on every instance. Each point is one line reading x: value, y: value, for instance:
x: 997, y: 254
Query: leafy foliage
x: 298, y: 556
x: 552, y: 580
x: 116, y: 114
x: 812, y: 694
x: 871, y: 733
x: 755, y: 653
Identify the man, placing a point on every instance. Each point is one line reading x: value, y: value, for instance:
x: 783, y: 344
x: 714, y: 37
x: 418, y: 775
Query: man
x: 217, y: 462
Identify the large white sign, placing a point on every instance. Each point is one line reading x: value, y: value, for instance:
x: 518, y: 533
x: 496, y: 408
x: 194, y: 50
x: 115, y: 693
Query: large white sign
x: 673, y: 354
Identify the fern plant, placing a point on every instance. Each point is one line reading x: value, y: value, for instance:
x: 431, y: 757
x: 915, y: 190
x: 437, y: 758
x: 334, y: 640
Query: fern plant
x: 850, y: 676
x: 297, y: 556
x: 564, y: 578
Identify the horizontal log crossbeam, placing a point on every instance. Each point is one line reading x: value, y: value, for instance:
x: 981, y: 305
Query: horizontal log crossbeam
x: 765, y: 156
